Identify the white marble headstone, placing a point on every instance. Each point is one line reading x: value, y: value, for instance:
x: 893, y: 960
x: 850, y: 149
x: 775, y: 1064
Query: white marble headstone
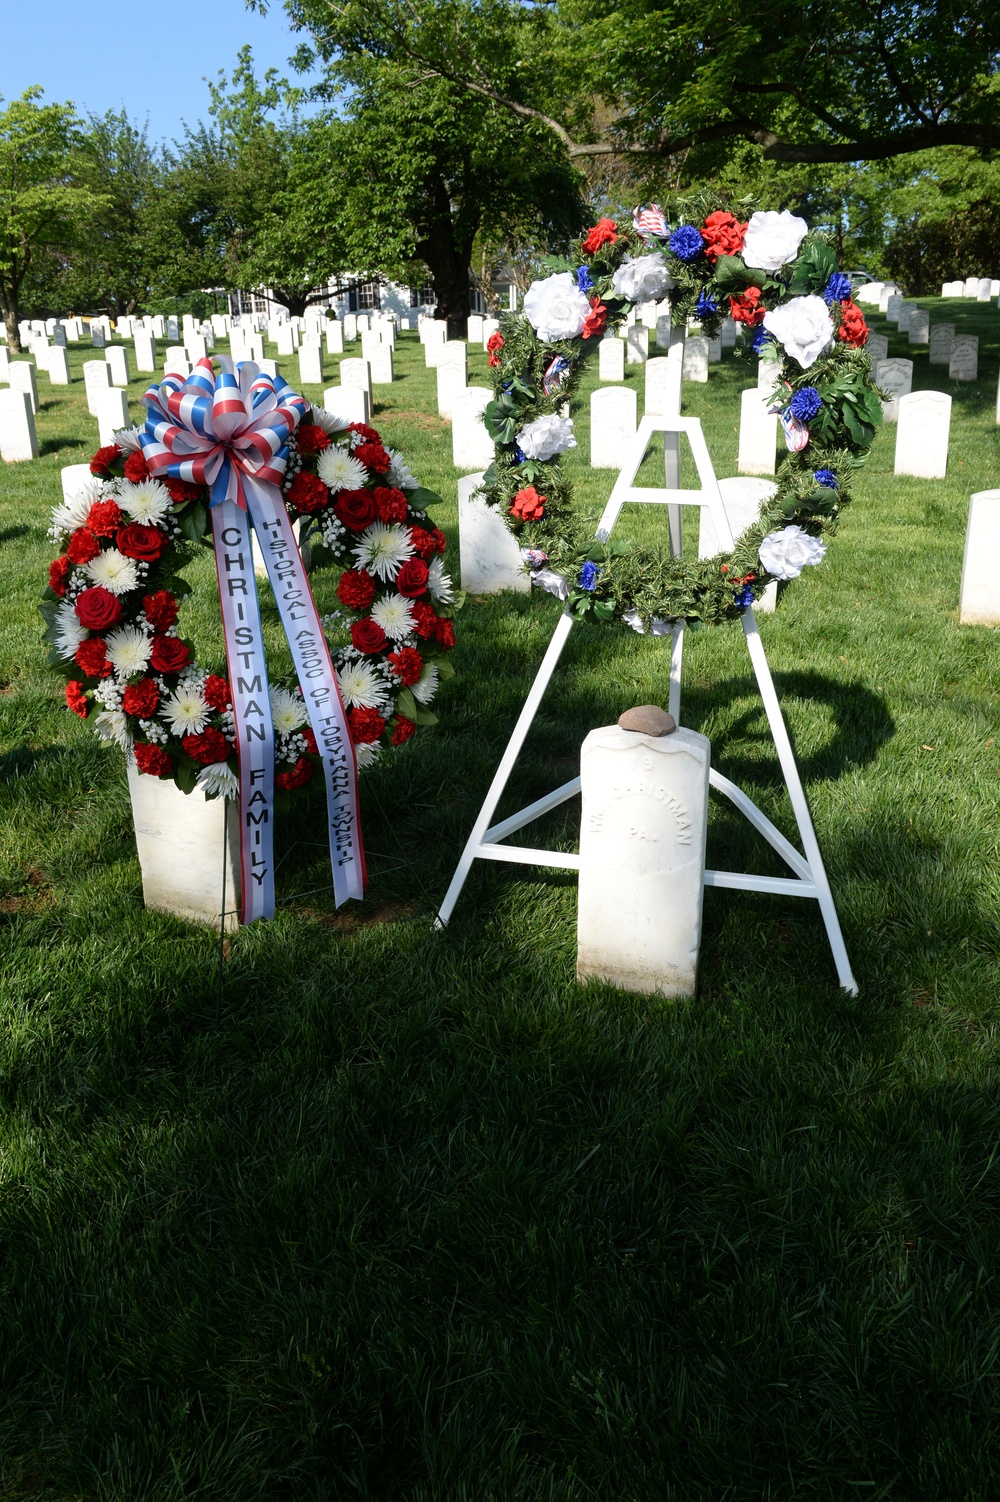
x: 696, y: 359
x: 17, y: 427
x: 311, y: 364
x: 895, y: 377
x: 334, y: 338
x: 112, y: 413
x: 877, y: 347
x: 22, y: 377
x: 181, y: 843
x: 964, y: 362
x: 58, y: 366
x: 489, y: 552
x: 145, y: 351
x: 612, y: 425
x: 979, y: 598
x: 663, y: 386
x: 941, y: 337
x: 611, y: 359
x: 919, y: 328
x: 637, y: 344
x: 924, y: 422
x: 117, y: 358
x: 894, y: 308
x: 471, y: 445
x: 758, y: 433
x: 357, y: 372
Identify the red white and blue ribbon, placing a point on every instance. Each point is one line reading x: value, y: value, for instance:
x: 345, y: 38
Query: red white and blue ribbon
x: 229, y: 431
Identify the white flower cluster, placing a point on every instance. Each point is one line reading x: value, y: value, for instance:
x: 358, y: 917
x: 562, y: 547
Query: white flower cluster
x: 556, y: 308
x: 546, y: 437
x: 643, y: 279
x: 787, y: 552
x: 803, y: 327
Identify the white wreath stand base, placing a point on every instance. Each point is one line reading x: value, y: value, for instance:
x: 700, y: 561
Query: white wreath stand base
x: 809, y: 877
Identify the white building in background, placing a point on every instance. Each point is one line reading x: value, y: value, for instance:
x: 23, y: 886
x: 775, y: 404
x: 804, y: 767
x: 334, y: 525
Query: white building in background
x: 351, y: 295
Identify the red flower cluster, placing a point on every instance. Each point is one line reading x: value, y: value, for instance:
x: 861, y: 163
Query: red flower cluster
x: 402, y: 730
x: 104, y: 458
x: 593, y: 324
x: 308, y: 493
x: 297, y: 777
x: 147, y: 544
x: 355, y: 508
x: 216, y: 691
x: 82, y: 546
x: 160, y: 610
x: 367, y: 635
x: 98, y: 608
x: 428, y: 543
x: 169, y: 654
x: 104, y: 518
x: 494, y: 345
x: 152, y: 760
x: 136, y: 468
x: 604, y: 232
x: 76, y: 699
x: 208, y: 747
x: 746, y: 308
x: 723, y: 235
x: 310, y: 438
x: 373, y: 456
x: 408, y: 664
x: 182, y: 491
x: 411, y: 581
x: 528, y: 505
x: 59, y: 572
x: 390, y: 504
x: 853, y: 329
x: 91, y: 655
x: 142, y: 699
x: 356, y: 589
x: 366, y: 725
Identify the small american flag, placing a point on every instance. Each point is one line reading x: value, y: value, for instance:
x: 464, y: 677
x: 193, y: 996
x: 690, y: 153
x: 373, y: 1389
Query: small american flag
x: 649, y: 219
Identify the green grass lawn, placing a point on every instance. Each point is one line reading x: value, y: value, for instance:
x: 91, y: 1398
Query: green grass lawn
x: 409, y: 1215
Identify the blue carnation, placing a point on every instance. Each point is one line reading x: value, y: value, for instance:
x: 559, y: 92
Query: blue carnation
x: 589, y: 575
x: 760, y: 339
x: 705, y: 306
x: 805, y: 404
x: 583, y: 279
x: 826, y: 477
x: 686, y: 242
x: 744, y: 598
x: 837, y: 288
x: 518, y: 455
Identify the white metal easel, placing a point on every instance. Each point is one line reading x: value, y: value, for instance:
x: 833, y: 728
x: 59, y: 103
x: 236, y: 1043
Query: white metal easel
x: 809, y: 877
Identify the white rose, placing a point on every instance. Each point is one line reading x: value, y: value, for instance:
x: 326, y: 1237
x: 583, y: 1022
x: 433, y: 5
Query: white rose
x: 773, y: 239
x: 803, y: 327
x: 546, y: 437
x: 643, y: 279
x: 556, y: 308
x: 786, y: 553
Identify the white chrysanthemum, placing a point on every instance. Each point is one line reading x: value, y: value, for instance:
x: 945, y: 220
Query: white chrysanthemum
x: 394, y: 615
x: 439, y: 583
x: 327, y: 420
x: 113, y: 571
x: 399, y: 473
x: 111, y: 725
x: 366, y: 754
x: 339, y: 469
x: 70, y: 514
x: 383, y: 549
x: 361, y: 687
x: 427, y: 684
x: 68, y: 631
x: 127, y: 439
x: 186, y: 711
x: 148, y: 502
x: 218, y: 781
x: 287, y: 711
x: 128, y: 650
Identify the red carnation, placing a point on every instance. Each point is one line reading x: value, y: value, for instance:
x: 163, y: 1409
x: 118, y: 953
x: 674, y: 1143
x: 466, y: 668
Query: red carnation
x: 444, y: 632
x: 136, y: 468
x: 424, y: 619
x: 373, y: 456
x: 593, y: 324
x: 309, y: 736
x: 76, y: 699
x: 364, y: 431
x: 98, y: 608
x: 104, y: 518
x: 528, y: 505
x: 82, y: 546
x: 356, y: 589
x: 411, y: 581
x: 208, y: 747
x: 853, y: 329
x: 297, y: 777
x: 142, y: 699
x: 407, y: 664
x: 440, y: 541
x: 723, y: 235
x: 169, y: 654
x: 423, y: 542
x: 92, y: 656
x: 216, y: 691
x: 355, y: 508
x: 402, y: 730
x: 310, y: 438
x: 147, y: 544
x: 494, y: 345
x: 368, y: 636
x: 152, y: 760
x: 182, y: 491
x: 390, y: 504
x: 746, y: 309
x: 366, y: 725
x: 605, y: 232
x: 160, y: 609
x: 104, y: 458
x: 59, y: 572
x: 307, y: 493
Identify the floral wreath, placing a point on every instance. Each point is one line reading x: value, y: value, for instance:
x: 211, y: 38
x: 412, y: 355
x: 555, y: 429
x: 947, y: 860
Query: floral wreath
x: 780, y: 282
x: 113, y: 601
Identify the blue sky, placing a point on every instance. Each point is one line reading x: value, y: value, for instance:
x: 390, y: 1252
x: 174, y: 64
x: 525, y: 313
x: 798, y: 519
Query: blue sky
x: 106, y: 54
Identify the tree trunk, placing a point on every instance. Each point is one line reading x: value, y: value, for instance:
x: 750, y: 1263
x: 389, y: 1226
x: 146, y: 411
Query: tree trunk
x: 10, y: 322
x: 446, y: 249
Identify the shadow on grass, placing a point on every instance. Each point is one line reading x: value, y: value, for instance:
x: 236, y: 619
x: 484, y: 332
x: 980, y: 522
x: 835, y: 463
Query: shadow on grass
x: 60, y: 445
x: 12, y: 534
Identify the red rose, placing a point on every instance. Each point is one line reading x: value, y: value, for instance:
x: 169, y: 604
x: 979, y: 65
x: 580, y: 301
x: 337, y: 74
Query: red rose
x: 364, y: 431
x: 307, y: 493
x: 423, y: 542
x: 76, y: 699
x: 444, y: 632
x: 92, y: 656
x: 160, y: 609
x: 356, y: 509
x: 104, y: 518
x: 494, y: 345
x: 104, y: 458
x: 411, y: 580
x: 169, y: 654
x: 147, y: 544
x: 98, y: 608
x: 390, y: 504
x: 208, y: 747
x: 297, y: 777
x: 723, y: 235
x: 366, y: 725
x: 424, y: 619
x: 152, y: 759
x: 59, y: 572
x: 310, y: 438
x: 182, y: 491
x: 402, y: 730
x: 373, y: 456
x: 82, y: 546
x: 593, y: 324
x: 136, y: 468
x: 142, y: 699
x: 310, y: 739
x: 528, y: 505
x: 746, y: 309
x: 368, y: 636
x: 605, y: 232
x: 407, y: 664
x: 216, y: 692
x: 356, y: 589
x: 853, y: 329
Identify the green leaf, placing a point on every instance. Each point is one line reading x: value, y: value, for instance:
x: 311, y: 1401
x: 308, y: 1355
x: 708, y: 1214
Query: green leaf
x: 406, y: 704
x: 813, y: 269
x: 185, y: 777
x: 421, y: 498
x: 424, y: 716
x: 732, y: 277
x: 194, y: 520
